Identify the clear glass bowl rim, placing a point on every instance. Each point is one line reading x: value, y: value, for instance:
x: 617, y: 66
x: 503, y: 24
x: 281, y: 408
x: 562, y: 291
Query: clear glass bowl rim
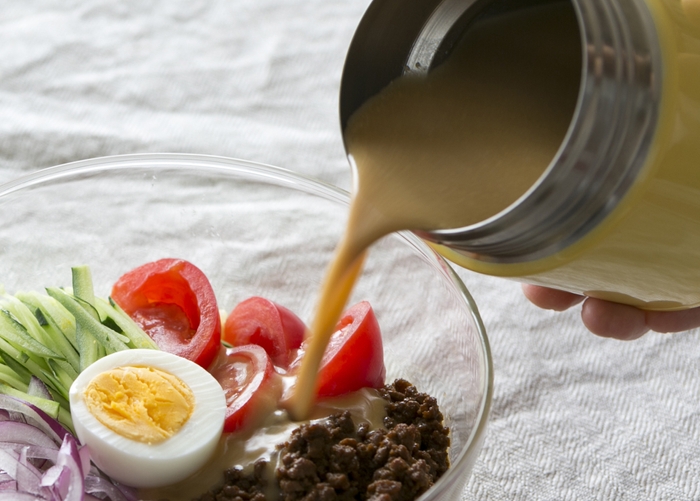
x: 282, y: 177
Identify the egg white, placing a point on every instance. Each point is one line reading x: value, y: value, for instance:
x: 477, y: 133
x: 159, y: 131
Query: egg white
x: 139, y: 464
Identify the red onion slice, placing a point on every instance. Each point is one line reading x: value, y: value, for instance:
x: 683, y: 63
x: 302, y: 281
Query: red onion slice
x: 16, y: 496
x: 28, y: 476
x: 24, y: 434
x: 28, y: 436
x: 38, y: 417
x: 38, y: 388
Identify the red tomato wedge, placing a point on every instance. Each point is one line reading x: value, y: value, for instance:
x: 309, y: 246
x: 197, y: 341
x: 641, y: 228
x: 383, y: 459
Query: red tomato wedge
x: 250, y: 384
x: 265, y: 323
x: 354, y: 358
x: 173, y: 301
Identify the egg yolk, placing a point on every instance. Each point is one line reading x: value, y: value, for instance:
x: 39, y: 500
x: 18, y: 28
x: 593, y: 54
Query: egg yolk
x: 140, y: 403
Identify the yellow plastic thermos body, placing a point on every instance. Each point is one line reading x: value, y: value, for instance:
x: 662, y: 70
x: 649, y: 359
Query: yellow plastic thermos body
x: 616, y: 215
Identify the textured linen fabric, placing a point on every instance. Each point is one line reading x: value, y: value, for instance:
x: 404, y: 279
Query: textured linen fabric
x: 573, y: 417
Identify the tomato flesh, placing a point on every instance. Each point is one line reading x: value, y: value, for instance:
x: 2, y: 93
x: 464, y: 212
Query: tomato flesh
x: 354, y: 358
x: 165, y: 323
x: 265, y: 323
x: 173, y: 301
x: 250, y: 385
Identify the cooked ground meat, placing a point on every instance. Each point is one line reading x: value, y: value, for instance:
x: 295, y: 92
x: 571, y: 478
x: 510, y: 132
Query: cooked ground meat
x: 240, y: 487
x: 336, y: 460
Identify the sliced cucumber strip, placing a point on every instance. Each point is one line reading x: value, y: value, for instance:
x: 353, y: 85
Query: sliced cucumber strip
x: 104, y: 335
x: 136, y: 337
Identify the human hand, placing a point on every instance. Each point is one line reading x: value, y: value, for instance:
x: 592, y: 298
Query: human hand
x: 614, y: 320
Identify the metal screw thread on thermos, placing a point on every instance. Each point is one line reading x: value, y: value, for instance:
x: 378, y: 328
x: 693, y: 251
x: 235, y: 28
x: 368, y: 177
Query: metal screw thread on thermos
x: 608, y: 139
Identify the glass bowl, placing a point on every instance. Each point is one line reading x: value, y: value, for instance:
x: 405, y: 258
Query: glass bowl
x: 254, y: 230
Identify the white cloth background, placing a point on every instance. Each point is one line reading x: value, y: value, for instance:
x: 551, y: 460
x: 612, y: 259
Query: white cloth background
x: 573, y: 417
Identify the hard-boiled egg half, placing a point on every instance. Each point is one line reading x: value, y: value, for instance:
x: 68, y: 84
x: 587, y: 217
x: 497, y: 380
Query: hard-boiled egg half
x: 148, y: 418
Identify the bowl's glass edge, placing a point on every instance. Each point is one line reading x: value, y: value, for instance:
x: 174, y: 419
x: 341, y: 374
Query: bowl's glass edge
x: 452, y: 477
x: 176, y: 160
x: 311, y: 185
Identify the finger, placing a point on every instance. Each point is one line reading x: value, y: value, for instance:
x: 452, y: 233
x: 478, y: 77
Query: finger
x: 550, y: 299
x: 614, y: 320
x: 673, y: 321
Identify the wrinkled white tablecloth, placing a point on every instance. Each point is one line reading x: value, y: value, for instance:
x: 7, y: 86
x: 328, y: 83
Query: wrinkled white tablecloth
x: 573, y: 417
